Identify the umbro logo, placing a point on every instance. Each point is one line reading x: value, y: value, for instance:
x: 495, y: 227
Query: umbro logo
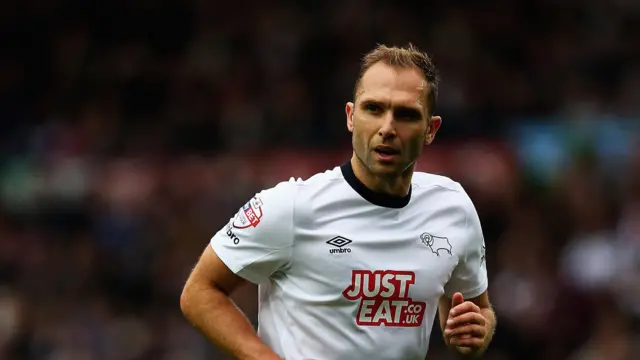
x: 339, y: 242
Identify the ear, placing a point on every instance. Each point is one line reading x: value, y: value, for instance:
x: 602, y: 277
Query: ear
x: 434, y: 125
x: 349, y: 109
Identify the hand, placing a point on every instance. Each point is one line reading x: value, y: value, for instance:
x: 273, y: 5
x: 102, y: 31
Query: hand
x: 466, y: 326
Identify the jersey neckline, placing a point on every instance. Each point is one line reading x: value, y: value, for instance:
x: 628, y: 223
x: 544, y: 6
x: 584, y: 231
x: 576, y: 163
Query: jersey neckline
x: 380, y: 199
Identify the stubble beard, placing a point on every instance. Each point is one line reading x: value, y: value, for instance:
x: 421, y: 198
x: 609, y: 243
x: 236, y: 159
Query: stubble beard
x: 365, y: 156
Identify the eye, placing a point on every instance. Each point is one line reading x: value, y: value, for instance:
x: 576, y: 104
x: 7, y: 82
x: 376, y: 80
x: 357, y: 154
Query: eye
x: 407, y: 114
x: 373, y: 108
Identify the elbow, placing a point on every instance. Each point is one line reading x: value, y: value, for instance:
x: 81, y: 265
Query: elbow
x: 187, y: 298
x: 184, y: 301
x: 196, y: 296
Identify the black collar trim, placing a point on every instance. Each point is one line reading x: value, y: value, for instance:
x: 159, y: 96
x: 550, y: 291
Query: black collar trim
x: 380, y: 199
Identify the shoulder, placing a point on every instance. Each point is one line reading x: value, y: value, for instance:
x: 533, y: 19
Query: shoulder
x: 319, y: 183
x: 270, y: 207
x: 320, y: 179
x: 441, y: 193
x: 424, y: 180
x: 295, y: 185
x: 443, y: 187
x: 281, y: 193
x: 286, y: 194
x: 450, y: 197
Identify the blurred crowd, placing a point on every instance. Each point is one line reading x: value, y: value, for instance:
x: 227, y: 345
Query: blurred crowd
x: 132, y: 130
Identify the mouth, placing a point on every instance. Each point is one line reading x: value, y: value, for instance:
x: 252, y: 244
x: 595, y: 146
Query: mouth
x: 386, y: 152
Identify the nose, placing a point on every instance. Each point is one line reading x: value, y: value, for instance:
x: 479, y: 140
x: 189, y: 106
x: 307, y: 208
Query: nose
x: 387, y: 128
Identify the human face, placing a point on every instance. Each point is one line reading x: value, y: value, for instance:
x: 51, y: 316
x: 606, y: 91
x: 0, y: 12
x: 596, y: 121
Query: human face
x: 389, y: 120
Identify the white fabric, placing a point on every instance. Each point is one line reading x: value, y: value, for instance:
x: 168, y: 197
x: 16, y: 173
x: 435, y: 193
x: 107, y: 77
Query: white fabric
x: 342, y: 278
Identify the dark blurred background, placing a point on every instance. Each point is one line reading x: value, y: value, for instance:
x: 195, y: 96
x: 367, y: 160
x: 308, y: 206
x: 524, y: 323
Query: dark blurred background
x: 132, y: 130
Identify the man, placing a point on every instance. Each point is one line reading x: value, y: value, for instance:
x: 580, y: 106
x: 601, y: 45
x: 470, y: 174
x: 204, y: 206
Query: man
x: 353, y: 263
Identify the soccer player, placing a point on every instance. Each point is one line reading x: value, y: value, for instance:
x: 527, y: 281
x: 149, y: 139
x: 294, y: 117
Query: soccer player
x: 354, y: 263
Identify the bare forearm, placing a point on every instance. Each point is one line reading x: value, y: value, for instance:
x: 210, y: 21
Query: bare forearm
x: 221, y: 321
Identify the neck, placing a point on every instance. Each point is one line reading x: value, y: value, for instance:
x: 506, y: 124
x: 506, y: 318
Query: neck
x: 396, y: 185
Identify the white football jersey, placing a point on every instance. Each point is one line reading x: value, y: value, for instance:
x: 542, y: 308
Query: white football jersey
x: 347, y: 273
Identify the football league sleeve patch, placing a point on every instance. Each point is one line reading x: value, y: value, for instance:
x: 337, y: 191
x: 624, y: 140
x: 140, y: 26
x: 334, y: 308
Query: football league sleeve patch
x: 257, y: 241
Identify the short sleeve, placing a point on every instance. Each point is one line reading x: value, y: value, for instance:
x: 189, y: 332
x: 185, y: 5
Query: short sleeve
x: 470, y: 275
x: 258, y: 240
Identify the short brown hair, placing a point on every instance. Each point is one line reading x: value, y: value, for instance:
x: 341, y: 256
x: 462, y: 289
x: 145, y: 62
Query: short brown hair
x: 403, y: 57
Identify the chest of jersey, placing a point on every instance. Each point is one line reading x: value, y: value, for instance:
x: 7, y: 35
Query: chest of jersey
x: 387, y: 270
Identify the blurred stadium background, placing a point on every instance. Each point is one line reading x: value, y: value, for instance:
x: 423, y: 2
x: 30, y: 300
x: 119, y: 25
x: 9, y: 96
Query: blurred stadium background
x: 132, y: 130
